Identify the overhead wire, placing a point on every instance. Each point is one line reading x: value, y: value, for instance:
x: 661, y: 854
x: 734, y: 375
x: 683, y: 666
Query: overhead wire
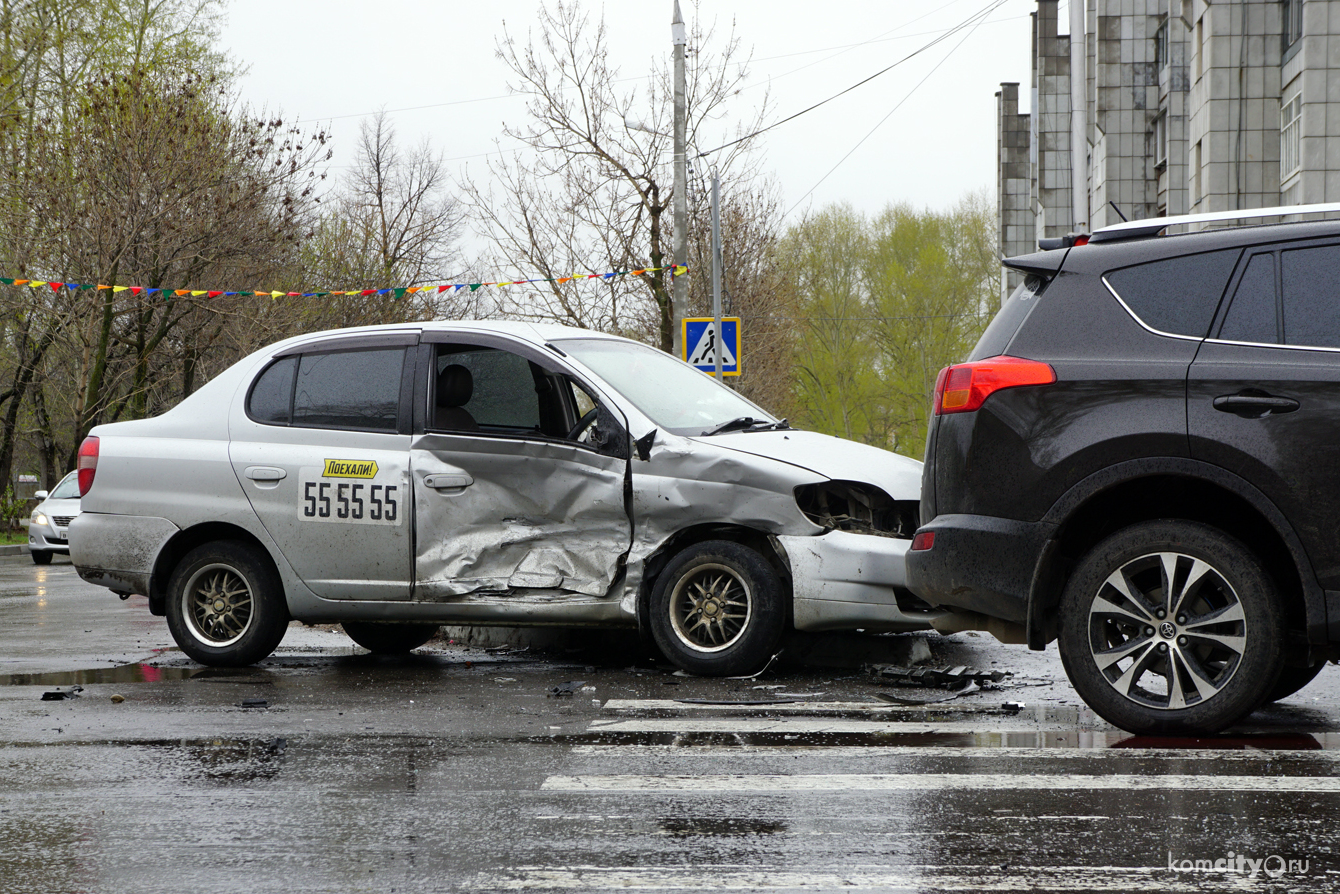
x: 881, y: 121
x: 974, y: 20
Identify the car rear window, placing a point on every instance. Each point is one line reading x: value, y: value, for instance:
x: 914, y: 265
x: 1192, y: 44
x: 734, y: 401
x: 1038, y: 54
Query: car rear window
x: 1008, y: 319
x: 272, y: 395
x: 1179, y: 295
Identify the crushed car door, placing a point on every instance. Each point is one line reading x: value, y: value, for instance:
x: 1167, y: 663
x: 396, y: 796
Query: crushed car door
x: 515, y: 489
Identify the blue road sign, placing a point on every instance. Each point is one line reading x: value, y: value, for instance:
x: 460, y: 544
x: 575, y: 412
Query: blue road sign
x: 700, y: 344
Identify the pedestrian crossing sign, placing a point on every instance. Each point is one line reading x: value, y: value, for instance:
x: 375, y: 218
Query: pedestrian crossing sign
x: 700, y: 343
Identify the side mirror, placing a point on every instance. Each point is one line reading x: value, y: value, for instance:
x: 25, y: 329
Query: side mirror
x: 40, y: 495
x: 643, y: 445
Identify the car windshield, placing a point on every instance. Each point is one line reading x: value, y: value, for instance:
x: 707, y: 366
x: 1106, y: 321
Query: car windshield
x: 674, y: 395
x: 68, y: 489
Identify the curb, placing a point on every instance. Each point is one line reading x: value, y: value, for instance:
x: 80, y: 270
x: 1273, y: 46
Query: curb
x: 14, y: 549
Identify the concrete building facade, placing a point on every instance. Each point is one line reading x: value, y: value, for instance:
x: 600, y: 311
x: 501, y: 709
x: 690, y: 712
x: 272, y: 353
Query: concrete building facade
x: 1193, y: 106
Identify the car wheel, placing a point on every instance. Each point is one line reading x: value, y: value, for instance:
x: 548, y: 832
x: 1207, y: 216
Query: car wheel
x: 389, y: 639
x: 1293, y: 679
x: 41, y: 557
x: 225, y: 605
x: 1171, y: 627
x: 718, y: 609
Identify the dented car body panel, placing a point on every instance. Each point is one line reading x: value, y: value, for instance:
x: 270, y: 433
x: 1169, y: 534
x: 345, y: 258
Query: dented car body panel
x: 491, y: 473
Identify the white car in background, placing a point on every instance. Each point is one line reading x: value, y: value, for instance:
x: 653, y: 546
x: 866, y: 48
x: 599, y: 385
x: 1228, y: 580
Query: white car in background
x: 396, y: 478
x: 48, y: 526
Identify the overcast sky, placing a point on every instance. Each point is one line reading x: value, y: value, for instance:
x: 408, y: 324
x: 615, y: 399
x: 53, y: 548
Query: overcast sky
x: 432, y: 65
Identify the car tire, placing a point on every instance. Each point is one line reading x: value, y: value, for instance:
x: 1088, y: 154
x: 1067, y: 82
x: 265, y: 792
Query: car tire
x: 1189, y: 658
x: 41, y: 557
x: 1293, y: 679
x: 718, y: 609
x: 389, y: 639
x: 225, y: 604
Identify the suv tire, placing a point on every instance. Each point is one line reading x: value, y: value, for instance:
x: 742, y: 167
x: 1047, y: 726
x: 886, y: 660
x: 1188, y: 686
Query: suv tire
x: 225, y: 604
x: 1190, y: 658
x: 718, y: 609
x: 389, y: 639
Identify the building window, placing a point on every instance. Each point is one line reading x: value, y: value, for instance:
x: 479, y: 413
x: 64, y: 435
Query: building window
x: 1161, y: 46
x: 1160, y: 140
x: 1291, y: 119
x: 1196, y: 194
x: 1293, y: 21
x: 1200, y: 45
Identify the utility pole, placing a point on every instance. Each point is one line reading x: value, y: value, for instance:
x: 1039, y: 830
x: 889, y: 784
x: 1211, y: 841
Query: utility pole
x: 716, y: 268
x: 1079, y: 119
x: 679, y: 285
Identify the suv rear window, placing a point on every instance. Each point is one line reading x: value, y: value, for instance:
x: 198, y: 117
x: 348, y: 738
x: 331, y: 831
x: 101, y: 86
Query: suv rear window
x: 1177, y: 296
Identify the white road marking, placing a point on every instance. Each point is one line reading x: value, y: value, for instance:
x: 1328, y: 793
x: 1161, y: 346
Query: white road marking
x: 668, y: 704
x: 695, y: 752
x: 783, y: 725
x: 768, y: 784
x: 876, y: 878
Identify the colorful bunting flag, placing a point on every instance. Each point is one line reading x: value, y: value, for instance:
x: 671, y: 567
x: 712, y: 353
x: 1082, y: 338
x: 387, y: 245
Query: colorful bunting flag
x: 394, y: 291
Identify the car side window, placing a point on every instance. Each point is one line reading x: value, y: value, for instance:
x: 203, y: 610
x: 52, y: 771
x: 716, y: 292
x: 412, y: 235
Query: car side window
x: 1176, y: 295
x: 349, y: 389
x: 1311, y: 312
x: 271, y: 398
x: 485, y: 389
x: 1252, y: 315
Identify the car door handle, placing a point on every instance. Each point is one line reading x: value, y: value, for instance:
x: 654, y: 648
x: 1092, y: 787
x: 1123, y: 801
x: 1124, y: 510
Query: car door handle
x: 1255, y: 404
x: 448, y: 481
x: 264, y: 473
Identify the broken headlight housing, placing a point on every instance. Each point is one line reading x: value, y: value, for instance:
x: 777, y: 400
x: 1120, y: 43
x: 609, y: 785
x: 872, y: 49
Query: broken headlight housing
x: 857, y: 508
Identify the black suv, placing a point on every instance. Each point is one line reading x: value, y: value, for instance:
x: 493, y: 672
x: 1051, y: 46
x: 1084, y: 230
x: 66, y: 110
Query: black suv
x: 1141, y: 460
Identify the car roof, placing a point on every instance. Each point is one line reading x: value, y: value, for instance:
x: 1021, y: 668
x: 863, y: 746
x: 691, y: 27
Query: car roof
x: 1100, y: 256
x: 535, y: 333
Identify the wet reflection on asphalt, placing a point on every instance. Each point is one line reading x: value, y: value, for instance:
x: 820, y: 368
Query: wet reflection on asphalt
x: 458, y: 770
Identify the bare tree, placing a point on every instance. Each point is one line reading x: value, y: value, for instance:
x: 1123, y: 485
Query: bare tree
x: 591, y: 191
x: 392, y: 223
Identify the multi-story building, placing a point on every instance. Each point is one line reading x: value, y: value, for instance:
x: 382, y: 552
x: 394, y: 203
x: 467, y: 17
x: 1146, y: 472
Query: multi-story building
x: 1193, y: 105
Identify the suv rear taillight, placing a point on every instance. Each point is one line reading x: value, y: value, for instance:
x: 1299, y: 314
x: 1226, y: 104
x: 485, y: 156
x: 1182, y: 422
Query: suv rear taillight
x: 88, y: 464
x: 963, y: 388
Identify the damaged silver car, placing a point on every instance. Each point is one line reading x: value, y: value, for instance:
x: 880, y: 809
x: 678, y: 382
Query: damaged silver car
x: 396, y: 478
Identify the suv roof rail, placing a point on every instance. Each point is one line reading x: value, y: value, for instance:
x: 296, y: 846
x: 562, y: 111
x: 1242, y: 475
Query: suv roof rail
x: 1151, y: 226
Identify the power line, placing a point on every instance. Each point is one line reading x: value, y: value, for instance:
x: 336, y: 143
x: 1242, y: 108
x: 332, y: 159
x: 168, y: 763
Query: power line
x: 885, y: 118
x: 974, y: 20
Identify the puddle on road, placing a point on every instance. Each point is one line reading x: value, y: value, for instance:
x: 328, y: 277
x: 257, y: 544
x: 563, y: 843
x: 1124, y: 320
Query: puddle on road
x: 125, y: 673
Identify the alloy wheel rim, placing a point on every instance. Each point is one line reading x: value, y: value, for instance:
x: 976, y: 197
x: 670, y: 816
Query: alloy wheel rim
x: 710, y: 608
x: 219, y: 605
x: 1167, y: 631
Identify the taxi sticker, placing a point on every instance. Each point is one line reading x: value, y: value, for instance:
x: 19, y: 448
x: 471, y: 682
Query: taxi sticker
x: 350, y: 468
x: 364, y: 500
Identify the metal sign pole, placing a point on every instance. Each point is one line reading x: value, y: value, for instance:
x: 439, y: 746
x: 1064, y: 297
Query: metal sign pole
x: 716, y: 268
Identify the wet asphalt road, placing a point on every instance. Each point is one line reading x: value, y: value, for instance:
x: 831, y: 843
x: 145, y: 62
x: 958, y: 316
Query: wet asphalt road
x: 460, y: 770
